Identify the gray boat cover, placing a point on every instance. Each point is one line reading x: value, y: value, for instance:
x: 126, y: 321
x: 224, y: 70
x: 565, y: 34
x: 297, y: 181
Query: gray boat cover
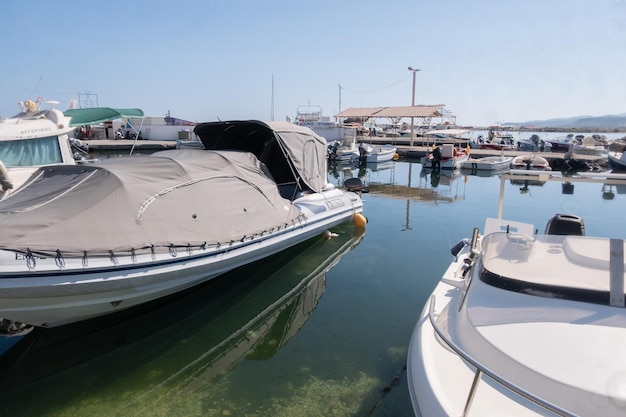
x: 303, y: 157
x: 177, y: 198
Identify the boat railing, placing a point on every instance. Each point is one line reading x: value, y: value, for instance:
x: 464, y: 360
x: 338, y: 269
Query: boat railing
x: 483, y: 369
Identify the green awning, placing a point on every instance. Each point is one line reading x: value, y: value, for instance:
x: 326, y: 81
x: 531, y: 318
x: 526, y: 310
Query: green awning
x: 99, y: 114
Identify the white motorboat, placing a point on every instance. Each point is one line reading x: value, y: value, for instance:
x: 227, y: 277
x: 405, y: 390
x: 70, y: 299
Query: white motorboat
x: 525, y: 324
x: 589, y: 146
x: 488, y: 163
x: 377, y: 153
x: 497, y: 141
x: 343, y: 151
x: 617, y: 160
x: 35, y: 138
x: 447, y: 156
x: 311, y: 116
x: 532, y: 162
x: 562, y: 143
x: 533, y: 144
x: 84, y: 241
x: 250, y: 314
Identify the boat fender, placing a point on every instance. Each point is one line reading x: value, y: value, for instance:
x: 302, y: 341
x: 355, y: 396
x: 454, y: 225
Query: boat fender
x: 358, y: 232
x: 359, y: 220
x: 5, y: 182
x: 328, y: 234
x: 396, y: 156
x: 460, y: 245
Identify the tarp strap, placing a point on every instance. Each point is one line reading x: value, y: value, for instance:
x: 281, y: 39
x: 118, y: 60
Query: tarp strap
x: 616, y: 265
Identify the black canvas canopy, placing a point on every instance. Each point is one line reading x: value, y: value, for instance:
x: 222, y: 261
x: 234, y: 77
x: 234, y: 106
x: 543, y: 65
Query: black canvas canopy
x: 290, y: 152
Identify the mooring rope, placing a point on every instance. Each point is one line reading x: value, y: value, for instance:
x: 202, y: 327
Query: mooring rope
x: 386, y: 390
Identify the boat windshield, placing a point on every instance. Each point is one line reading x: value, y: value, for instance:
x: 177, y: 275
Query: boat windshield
x: 30, y: 152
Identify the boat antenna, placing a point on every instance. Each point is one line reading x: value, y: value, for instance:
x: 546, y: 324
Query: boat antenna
x: 35, y: 89
x: 272, y: 109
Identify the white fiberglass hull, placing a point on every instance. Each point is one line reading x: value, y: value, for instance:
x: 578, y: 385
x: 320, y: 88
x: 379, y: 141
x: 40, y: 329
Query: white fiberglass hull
x: 617, y: 161
x: 489, y: 163
x: 448, y: 163
x: 440, y: 380
x: 381, y: 153
x: 562, y: 351
x: 51, y: 292
x: 530, y: 163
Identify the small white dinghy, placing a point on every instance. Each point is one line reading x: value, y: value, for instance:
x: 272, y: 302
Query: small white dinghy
x: 377, y: 153
x: 488, y: 163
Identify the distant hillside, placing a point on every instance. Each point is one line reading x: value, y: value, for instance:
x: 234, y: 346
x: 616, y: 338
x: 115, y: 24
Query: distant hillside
x: 617, y: 121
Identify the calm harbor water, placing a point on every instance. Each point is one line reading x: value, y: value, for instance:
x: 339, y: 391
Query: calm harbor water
x: 319, y: 330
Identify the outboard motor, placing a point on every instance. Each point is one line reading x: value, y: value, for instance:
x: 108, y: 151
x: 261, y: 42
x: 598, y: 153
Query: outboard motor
x: 353, y: 184
x: 565, y: 224
x: 332, y: 150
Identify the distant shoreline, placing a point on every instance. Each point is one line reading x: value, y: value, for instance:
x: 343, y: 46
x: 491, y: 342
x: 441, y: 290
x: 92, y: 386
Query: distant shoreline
x: 553, y: 129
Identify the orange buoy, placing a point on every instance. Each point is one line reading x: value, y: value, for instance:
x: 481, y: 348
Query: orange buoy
x: 359, y: 220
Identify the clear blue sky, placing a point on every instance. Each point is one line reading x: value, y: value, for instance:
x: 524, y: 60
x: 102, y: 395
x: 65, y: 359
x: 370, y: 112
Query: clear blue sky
x: 487, y: 61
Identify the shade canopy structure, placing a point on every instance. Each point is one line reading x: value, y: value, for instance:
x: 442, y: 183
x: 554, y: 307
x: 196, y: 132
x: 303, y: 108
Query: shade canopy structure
x: 423, y: 111
x: 93, y: 115
x: 447, y: 132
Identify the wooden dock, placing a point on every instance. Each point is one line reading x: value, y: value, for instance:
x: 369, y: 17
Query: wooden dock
x: 418, y: 150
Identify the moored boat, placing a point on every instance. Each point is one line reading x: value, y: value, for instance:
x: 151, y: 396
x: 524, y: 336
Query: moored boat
x: 589, y: 146
x: 533, y: 144
x: 531, y: 162
x: 447, y: 156
x: 33, y: 138
x: 311, y: 116
x: 497, y: 141
x: 85, y: 241
x: 524, y: 323
x: 250, y: 313
x: 343, y: 151
x: 562, y: 143
x: 617, y: 160
x: 377, y: 153
x: 488, y: 163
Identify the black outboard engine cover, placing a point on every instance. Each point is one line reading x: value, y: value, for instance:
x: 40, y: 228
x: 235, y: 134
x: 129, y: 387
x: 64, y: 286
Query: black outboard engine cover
x: 565, y: 224
x: 353, y: 184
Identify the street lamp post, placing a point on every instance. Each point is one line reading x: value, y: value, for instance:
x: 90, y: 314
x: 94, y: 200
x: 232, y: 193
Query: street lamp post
x: 414, y: 70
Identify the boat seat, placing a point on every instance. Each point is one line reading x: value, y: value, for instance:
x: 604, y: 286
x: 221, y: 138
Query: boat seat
x: 292, y: 191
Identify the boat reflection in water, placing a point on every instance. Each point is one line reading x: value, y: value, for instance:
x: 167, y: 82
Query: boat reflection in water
x: 135, y: 363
